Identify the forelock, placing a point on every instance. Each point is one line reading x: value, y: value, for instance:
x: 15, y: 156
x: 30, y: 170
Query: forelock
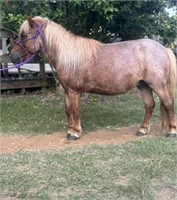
x: 24, y: 27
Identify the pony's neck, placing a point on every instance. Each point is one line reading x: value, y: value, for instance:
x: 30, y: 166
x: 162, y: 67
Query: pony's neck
x: 67, y: 50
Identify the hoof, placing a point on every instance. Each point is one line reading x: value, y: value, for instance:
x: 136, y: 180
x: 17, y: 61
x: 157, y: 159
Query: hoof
x: 140, y: 133
x: 72, y: 137
x: 171, y: 135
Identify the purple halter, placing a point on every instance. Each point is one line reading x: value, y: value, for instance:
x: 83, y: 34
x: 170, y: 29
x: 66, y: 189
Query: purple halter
x: 19, y: 42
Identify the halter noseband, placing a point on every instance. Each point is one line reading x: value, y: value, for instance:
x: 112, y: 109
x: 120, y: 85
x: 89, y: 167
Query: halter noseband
x: 20, y: 42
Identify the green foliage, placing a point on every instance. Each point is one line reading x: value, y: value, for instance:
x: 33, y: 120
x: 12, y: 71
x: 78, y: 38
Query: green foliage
x: 12, y: 21
x: 11, y: 10
x: 167, y: 27
x: 141, y: 18
x: 100, y: 18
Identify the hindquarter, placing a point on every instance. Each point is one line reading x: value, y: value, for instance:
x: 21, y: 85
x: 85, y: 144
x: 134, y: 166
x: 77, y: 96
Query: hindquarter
x: 157, y: 65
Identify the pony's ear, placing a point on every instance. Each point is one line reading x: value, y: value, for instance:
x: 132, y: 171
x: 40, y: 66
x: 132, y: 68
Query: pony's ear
x: 31, y: 22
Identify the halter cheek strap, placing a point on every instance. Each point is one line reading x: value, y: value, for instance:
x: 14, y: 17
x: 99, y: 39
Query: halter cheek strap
x: 39, y: 31
x: 20, y: 42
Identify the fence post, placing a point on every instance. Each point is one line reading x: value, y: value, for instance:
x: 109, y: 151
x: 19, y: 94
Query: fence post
x: 42, y: 70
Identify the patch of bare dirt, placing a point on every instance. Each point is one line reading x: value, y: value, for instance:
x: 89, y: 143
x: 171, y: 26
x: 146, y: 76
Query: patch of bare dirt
x: 166, y: 194
x: 56, y: 141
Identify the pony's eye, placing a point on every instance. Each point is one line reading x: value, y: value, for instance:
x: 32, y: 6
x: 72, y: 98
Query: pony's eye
x: 23, y: 35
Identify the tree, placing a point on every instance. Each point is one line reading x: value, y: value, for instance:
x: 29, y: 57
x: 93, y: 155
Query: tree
x: 143, y: 18
x: 99, y: 18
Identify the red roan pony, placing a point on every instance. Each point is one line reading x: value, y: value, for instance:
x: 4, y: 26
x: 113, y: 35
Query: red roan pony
x: 86, y: 65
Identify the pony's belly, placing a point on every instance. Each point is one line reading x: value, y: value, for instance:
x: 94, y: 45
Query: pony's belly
x: 105, y: 90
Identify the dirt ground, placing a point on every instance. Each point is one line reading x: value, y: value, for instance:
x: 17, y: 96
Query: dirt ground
x: 56, y: 141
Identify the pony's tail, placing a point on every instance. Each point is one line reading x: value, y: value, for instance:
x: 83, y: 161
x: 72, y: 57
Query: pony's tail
x: 171, y: 83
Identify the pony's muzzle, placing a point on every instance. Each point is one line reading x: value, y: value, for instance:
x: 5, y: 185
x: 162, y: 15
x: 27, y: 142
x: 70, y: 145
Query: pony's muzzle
x: 15, y: 58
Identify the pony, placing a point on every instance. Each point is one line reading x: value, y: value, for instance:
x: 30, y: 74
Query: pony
x: 86, y: 65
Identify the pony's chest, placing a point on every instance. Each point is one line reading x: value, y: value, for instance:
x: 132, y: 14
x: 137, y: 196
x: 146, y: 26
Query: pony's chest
x: 72, y: 80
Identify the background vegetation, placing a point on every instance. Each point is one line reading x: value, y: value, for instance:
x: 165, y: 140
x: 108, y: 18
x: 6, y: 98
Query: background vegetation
x: 101, y: 19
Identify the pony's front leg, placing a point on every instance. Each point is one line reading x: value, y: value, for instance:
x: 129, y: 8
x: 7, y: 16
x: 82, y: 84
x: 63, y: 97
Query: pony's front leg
x: 72, y: 107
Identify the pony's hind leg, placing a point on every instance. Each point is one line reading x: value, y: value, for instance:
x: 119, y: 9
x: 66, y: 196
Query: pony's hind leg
x: 72, y: 107
x: 149, y: 104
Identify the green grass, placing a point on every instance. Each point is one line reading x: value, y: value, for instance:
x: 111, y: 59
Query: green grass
x: 144, y: 170
x: 32, y: 115
x: 40, y: 114
x: 132, y: 171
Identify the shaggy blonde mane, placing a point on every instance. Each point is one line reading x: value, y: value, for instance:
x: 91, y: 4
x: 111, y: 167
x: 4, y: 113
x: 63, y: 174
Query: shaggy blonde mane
x: 65, y: 48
